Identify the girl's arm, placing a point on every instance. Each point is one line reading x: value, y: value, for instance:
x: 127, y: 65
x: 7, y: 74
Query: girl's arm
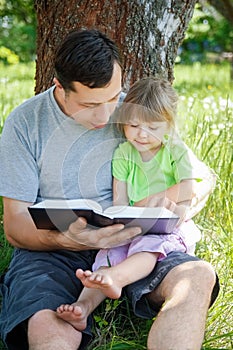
x: 120, y: 196
x: 177, y: 198
x: 182, y: 192
x: 186, y: 198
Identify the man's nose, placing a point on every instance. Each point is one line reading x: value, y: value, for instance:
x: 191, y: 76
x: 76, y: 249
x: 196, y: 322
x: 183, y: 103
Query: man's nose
x: 103, y: 113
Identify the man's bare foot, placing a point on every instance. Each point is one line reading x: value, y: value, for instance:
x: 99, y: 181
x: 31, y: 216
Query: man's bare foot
x: 101, y: 279
x: 73, y: 314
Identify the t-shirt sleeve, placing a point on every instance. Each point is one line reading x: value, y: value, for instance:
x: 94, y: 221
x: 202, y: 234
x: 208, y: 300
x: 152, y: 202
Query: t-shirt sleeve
x: 187, y: 166
x: 119, y: 165
x: 18, y: 168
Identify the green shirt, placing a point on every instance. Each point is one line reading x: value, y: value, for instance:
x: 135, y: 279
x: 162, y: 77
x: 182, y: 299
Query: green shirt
x: 173, y: 163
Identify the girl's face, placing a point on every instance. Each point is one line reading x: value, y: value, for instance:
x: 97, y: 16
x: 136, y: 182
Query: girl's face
x: 146, y: 136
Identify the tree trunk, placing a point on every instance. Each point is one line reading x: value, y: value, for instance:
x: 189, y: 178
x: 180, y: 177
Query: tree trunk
x: 148, y: 33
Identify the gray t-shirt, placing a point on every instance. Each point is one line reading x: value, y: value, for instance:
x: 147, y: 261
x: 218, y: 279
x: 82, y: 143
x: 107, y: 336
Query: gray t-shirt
x: 45, y: 154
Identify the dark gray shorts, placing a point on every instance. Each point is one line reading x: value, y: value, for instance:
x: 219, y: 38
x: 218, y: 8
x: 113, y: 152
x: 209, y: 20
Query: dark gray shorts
x: 44, y: 280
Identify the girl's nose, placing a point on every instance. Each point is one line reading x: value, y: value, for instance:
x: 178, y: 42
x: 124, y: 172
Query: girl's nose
x: 142, y: 132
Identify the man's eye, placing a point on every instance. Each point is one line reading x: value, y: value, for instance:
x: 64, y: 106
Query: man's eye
x: 90, y: 106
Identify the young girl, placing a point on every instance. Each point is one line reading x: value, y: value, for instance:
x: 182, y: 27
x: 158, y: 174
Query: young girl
x: 152, y: 168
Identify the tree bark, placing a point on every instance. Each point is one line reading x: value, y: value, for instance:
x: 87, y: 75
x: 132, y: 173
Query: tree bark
x: 148, y: 33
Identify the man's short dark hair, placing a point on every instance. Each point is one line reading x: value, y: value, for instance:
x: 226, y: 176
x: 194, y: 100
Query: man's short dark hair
x: 86, y: 56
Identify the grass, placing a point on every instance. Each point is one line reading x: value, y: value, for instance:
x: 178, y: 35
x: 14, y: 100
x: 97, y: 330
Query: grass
x: 206, y: 124
x: 16, y: 85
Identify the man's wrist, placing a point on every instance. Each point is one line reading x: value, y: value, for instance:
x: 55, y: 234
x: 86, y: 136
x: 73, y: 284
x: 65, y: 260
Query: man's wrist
x: 65, y: 241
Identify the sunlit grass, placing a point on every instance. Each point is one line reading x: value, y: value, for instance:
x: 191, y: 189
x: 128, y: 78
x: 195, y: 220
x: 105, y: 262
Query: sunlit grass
x: 202, y: 80
x: 16, y: 85
x: 206, y: 124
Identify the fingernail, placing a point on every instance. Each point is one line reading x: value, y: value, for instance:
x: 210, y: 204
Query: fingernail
x: 138, y: 230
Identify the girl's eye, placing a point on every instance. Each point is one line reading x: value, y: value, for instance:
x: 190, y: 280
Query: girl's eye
x: 153, y: 128
x: 134, y: 125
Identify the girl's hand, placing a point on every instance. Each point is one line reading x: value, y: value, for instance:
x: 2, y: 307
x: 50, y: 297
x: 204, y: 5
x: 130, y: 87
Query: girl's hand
x: 180, y: 209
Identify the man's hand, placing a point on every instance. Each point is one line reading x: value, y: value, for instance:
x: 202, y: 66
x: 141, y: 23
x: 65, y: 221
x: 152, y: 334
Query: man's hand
x: 21, y: 232
x: 90, y: 237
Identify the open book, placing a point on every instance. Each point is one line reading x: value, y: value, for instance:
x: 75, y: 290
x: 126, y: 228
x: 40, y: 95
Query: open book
x: 59, y: 214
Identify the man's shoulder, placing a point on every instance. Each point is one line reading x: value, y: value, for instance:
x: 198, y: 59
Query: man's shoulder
x: 30, y: 107
x: 36, y: 99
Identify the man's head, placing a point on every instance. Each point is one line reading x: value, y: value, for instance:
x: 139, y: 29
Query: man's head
x: 88, y: 78
x: 86, y: 56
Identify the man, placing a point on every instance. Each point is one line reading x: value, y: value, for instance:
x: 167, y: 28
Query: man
x: 59, y: 144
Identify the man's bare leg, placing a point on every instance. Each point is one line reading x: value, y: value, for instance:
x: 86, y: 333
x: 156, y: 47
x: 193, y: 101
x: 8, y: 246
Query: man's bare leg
x: 186, y: 291
x: 47, y: 332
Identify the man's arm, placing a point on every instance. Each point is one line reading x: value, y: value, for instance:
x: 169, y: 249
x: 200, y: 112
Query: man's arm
x: 22, y: 233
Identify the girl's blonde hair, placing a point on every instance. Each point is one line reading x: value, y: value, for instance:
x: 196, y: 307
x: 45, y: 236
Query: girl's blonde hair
x: 149, y: 99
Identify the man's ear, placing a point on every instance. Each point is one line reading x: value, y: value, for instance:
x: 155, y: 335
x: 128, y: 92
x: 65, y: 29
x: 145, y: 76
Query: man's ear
x: 57, y: 83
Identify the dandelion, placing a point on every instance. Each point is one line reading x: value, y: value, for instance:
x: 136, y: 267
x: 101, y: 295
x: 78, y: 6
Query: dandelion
x: 221, y: 126
x: 182, y: 98
x: 208, y: 99
x: 225, y: 103
x: 216, y: 132
x: 206, y: 105
x: 208, y: 118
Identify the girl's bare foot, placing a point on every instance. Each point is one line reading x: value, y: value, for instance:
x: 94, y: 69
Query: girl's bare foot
x: 102, y: 279
x: 73, y: 314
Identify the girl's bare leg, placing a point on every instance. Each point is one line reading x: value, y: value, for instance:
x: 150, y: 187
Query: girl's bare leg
x: 76, y: 314
x: 105, y: 282
x: 111, y: 280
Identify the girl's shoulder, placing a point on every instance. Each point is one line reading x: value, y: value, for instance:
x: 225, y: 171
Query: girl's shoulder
x: 174, y: 141
x: 125, y: 151
x: 175, y: 146
x: 125, y: 146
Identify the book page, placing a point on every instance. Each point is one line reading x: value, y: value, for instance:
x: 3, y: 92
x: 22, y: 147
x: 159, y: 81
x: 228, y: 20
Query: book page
x: 69, y: 204
x: 138, y: 212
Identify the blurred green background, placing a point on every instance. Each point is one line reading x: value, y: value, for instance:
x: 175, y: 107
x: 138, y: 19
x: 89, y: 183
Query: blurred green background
x: 208, y: 38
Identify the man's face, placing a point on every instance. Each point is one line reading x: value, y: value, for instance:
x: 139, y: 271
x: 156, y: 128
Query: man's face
x: 90, y: 107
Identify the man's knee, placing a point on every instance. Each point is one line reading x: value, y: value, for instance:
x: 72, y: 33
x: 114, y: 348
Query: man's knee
x: 189, y: 280
x: 41, y: 322
x: 195, y: 272
x: 42, y: 316
x: 202, y: 271
x: 207, y: 279
x: 47, y: 331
